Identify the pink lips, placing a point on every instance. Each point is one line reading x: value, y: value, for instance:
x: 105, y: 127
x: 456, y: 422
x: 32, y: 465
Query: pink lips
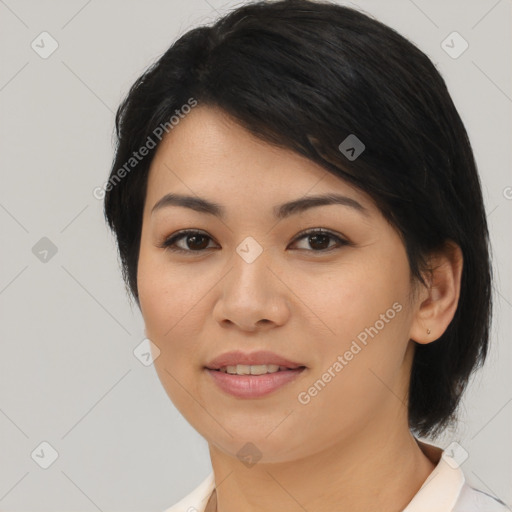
x: 252, y: 386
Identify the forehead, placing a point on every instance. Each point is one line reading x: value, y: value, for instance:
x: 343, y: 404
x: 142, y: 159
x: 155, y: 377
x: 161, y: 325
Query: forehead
x: 209, y: 154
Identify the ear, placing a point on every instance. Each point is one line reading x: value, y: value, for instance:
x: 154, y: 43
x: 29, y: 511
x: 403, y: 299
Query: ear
x: 437, y: 302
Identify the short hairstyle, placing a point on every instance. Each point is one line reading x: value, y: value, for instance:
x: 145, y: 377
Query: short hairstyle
x: 304, y: 75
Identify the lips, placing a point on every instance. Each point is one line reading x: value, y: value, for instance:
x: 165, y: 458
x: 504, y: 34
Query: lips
x: 254, y: 386
x: 262, y: 357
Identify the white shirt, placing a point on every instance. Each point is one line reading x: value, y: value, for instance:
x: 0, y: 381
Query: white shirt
x: 445, y: 490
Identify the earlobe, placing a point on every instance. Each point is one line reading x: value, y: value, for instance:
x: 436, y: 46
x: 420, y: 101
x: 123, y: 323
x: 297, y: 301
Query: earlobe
x: 437, y: 303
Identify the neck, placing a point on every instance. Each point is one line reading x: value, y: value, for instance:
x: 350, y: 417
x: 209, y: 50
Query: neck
x: 386, y: 468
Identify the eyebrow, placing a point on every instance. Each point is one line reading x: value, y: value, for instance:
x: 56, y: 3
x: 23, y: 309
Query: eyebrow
x: 282, y: 211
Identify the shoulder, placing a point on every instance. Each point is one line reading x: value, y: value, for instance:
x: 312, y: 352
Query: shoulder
x: 197, y: 499
x: 475, y: 500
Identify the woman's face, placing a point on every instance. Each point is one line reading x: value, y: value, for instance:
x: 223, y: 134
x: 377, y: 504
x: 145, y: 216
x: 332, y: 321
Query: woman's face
x: 338, y: 304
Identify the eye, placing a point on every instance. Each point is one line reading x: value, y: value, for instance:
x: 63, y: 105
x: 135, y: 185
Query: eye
x: 319, y: 238
x: 193, y: 239
x: 197, y: 241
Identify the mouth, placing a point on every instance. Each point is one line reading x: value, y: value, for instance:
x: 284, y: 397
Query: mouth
x: 252, y: 375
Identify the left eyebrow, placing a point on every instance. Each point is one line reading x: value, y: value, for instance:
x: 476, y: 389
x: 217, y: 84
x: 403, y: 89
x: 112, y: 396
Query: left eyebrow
x: 282, y: 211
x: 300, y: 205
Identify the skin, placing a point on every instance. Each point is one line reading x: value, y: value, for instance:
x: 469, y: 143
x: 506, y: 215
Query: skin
x: 350, y: 446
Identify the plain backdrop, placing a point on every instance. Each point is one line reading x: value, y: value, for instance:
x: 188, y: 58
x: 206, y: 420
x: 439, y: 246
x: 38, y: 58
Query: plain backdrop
x: 69, y: 377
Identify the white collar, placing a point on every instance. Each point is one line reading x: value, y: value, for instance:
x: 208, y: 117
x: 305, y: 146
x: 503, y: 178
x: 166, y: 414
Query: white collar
x: 442, y: 488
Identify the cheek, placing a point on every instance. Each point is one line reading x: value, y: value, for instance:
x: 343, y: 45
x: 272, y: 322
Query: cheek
x: 169, y: 305
x: 363, y: 294
x: 166, y: 293
x: 368, y: 310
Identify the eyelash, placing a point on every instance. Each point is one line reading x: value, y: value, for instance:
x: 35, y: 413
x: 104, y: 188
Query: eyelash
x: 169, y: 242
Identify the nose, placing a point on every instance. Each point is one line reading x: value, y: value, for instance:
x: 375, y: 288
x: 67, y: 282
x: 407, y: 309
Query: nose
x: 251, y: 296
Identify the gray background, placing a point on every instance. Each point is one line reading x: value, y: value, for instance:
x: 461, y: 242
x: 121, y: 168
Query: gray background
x: 68, y: 372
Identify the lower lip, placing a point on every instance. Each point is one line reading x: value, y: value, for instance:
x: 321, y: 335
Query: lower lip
x: 253, y: 386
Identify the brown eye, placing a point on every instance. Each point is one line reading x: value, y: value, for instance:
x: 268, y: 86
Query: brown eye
x: 196, y: 242
x: 191, y: 241
x: 319, y: 240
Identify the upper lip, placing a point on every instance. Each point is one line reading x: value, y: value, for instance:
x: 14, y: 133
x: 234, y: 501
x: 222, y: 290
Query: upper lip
x: 254, y: 358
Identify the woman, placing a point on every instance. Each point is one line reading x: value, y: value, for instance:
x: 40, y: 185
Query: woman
x: 300, y: 221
